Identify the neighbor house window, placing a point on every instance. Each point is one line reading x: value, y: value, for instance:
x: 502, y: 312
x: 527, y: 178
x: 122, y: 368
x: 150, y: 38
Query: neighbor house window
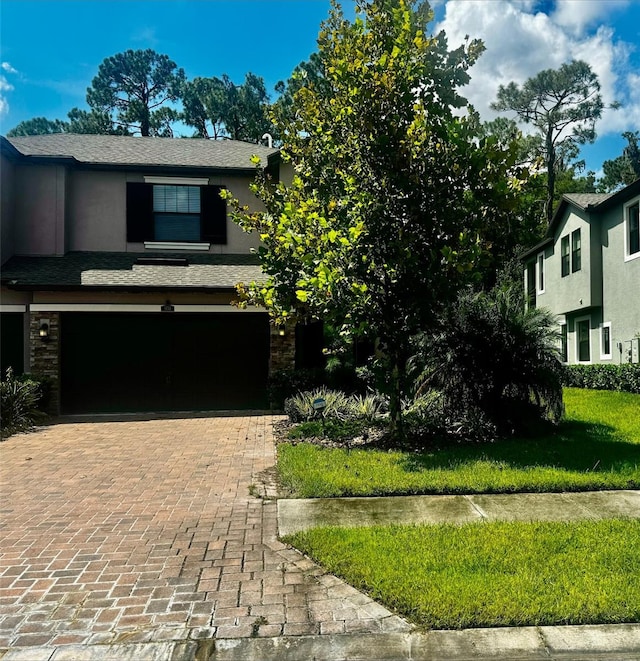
x: 582, y: 338
x: 540, y: 269
x: 633, y: 230
x: 564, y: 255
x: 564, y: 349
x: 576, y: 258
x: 163, y: 209
x: 605, y: 340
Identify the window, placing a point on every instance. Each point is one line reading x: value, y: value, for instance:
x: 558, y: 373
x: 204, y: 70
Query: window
x: 582, y: 338
x: 540, y: 273
x: 633, y: 230
x: 175, y: 212
x: 564, y: 255
x: 564, y: 352
x: 531, y: 285
x: 576, y: 259
x: 605, y: 340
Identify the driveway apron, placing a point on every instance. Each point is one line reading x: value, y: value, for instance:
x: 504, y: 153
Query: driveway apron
x: 149, y: 530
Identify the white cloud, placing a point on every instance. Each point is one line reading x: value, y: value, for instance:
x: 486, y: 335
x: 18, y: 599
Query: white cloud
x: 5, y: 86
x: 520, y: 43
x: 576, y: 15
x: 8, y: 68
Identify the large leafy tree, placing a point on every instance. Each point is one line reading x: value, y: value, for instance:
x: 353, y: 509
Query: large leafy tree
x: 392, y: 191
x: 624, y: 169
x: 217, y: 108
x: 135, y: 89
x: 562, y: 105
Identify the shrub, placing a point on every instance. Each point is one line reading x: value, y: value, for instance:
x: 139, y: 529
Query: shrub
x: 299, y: 408
x: 625, y: 377
x: 19, y: 400
x: 494, y: 362
x: 368, y: 407
x: 286, y: 383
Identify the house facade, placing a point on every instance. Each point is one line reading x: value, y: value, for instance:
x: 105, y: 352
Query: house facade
x: 587, y: 272
x: 119, y: 266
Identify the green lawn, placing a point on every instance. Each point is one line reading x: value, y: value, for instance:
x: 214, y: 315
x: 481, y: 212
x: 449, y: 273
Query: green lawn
x: 596, y: 447
x: 490, y: 574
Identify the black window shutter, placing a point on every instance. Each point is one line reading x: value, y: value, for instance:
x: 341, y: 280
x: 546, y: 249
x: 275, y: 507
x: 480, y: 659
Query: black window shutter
x: 213, y: 215
x: 139, y: 212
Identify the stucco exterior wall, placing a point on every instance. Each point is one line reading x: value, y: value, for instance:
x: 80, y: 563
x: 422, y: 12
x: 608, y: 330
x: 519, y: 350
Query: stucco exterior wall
x: 576, y: 291
x: 39, y: 210
x: 7, y: 199
x: 621, y: 286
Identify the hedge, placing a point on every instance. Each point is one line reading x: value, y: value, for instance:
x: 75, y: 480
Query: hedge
x: 625, y: 377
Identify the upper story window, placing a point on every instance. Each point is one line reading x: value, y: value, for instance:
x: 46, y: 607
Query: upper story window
x: 632, y: 230
x: 576, y: 251
x: 176, y: 213
x: 564, y: 255
x: 158, y: 211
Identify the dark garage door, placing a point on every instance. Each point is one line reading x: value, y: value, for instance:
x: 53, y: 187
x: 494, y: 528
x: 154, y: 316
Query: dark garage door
x: 163, y: 362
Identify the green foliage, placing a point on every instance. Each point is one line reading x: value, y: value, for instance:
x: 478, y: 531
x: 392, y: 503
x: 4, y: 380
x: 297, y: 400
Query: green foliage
x: 299, y: 408
x: 332, y: 429
x: 19, y: 407
x: 134, y: 87
x: 218, y: 108
x: 361, y: 237
x: 625, y: 377
x: 624, y: 169
x: 38, y: 126
x: 493, y: 358
x: 563, y: 106
x: 490, y: 574
x: 596, y: 446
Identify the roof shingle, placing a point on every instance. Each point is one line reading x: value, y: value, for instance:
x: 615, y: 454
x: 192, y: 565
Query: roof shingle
x: 130, y: 151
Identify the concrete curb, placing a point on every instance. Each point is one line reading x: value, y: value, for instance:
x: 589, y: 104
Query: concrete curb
x: 619, y: 642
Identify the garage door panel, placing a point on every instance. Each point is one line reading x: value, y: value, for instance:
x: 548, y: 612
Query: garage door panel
x: 144, y: 362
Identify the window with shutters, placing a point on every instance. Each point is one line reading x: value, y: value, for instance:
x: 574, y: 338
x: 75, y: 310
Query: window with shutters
x: 174, y: 212
x: 632, y: 230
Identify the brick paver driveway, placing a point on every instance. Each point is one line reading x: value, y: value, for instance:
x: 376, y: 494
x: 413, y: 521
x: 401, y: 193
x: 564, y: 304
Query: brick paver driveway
x: 147, y: 530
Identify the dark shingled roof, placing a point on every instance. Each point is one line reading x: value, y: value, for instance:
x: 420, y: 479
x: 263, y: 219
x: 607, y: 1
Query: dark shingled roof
x: 129, y: 151
x: 584, y: 200
x: 119, y: 270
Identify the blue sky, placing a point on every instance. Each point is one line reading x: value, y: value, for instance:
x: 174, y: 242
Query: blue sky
x: 51, y: 49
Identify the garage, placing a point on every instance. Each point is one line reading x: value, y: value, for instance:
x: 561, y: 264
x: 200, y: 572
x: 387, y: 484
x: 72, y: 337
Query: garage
x: 143, y: 362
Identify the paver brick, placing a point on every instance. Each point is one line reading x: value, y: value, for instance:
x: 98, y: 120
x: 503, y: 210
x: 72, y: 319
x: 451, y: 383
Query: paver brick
x: 159, y: 540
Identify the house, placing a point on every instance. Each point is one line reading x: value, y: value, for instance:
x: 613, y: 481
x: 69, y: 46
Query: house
x: 119, y: 266
x: 587, y: 272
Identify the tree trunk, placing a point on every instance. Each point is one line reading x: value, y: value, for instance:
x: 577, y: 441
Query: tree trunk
x: 551, y: 176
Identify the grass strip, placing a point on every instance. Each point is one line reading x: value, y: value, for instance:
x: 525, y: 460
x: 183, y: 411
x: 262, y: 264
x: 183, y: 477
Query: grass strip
x: 490, y: 574
x: 596, y: 447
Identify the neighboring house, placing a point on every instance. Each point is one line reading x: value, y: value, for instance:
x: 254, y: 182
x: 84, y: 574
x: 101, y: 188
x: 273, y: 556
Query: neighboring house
x: 587, y: 272
x: 119, y: 265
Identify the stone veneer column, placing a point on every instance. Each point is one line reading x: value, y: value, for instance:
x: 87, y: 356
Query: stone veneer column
x: 45, y: 356
x: 283, y: 348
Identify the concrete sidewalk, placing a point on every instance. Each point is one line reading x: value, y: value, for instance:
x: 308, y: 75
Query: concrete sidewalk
x: 301, y: 514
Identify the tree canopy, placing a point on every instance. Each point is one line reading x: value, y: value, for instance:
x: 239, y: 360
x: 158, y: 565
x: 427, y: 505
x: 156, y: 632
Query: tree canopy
x: 216, y: 108
x: 624, y: 169
x: 562, y: 105
x: 134, y: 88
x: 392, y: 190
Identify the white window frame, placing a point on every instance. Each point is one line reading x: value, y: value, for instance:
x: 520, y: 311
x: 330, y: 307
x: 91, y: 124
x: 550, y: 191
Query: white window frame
x: 577, y: 340
x: 540, y: 271
x: 564, y: 327
x: 625, y: 208
x: 603, y: 355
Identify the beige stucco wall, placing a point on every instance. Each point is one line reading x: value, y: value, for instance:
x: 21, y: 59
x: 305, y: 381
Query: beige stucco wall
x: 39, y: 210
x: 7, y: 198
x: 98, y: 212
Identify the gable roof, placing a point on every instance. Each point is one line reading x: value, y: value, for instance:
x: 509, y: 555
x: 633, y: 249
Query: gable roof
x: 592, y: 202
x: 115, y: 150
